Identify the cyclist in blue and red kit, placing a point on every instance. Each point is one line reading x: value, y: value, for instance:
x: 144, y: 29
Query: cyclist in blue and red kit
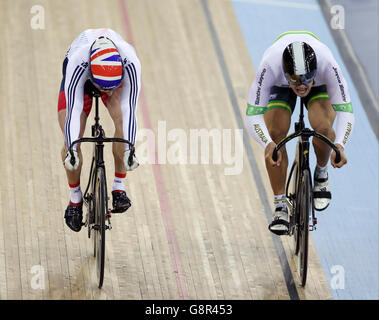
x: 98, y: 59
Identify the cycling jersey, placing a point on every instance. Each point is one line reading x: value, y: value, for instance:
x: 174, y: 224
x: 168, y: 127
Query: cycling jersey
x: 270, y: 73
x: 76, y: 77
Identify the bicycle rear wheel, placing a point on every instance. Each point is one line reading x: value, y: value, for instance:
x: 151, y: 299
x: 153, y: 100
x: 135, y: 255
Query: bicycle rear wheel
x: 303, y: 234
x: 99, y: 226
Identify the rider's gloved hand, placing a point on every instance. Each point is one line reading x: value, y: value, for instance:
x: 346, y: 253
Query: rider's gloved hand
x: 134, y: 162
x: 67, y: 161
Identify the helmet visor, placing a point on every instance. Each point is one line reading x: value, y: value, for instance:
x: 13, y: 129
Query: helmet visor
x: 301, y: 79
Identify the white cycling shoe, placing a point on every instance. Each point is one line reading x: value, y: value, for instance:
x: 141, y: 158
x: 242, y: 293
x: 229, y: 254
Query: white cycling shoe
x: 321, y: 194
x: 279, y: 224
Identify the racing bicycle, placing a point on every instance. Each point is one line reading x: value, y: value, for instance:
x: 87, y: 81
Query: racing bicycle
x: 299, y: 194
x: 95, y: 198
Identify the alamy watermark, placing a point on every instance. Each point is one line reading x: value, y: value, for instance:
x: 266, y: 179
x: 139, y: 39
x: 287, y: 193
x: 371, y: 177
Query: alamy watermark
x: 38, y: 279
x: 337, y: 281
x: 38, y: 19
x: 338, y: 17
x: 194, y: 146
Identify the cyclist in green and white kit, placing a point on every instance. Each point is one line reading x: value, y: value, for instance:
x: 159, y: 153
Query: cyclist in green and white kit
x: 298, y: 64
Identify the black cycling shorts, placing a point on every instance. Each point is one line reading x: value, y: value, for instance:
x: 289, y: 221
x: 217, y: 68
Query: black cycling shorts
x: 285, y: 98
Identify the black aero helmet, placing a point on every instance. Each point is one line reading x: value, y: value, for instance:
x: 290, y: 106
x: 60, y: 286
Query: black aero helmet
x: 299, y: 62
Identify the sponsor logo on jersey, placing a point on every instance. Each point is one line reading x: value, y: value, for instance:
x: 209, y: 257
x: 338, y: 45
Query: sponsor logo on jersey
x: 260, y: 133
x: 342, y: 88
x: 260, y: 81
x: 347, y: 133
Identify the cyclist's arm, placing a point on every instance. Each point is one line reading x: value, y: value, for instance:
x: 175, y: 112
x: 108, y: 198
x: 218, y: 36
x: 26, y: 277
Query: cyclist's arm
x: 76, y: 75
x: 340, y: 98
x: 130, y: 92
x: 256, y: 105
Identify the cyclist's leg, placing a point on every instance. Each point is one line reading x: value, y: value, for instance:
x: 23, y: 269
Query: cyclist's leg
x: 321, y: 117
x: 278, y: 119
x: 113, y: 103
x: 73, y: 214
x: 120, y: 200
x: 278, y: 122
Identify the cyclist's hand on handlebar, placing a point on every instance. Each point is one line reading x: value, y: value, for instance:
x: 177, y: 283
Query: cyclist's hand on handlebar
x: 133, y: 163
x: 268, y: 155
x: 68, y: 161
x: 333, y: 157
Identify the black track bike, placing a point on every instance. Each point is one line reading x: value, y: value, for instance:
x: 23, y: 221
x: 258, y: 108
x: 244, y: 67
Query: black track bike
x: 299, y: 190
x: 95, y: 196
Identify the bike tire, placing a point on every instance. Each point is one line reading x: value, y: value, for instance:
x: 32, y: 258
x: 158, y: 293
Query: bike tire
x: 293, y: 191
x: 99, y: 227
x: 304, y: 214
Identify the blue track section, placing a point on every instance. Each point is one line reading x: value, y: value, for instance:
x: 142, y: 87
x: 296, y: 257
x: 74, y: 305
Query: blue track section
x: 347, y: 236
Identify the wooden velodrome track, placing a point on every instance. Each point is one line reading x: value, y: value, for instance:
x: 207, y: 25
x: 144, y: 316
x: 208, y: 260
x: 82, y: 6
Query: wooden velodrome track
x: 192, y: 231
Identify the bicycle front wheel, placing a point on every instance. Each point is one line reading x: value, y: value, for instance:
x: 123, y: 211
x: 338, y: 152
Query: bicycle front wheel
x: 303, y: 234
x: 293, y: 195
x: 99, y: 226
